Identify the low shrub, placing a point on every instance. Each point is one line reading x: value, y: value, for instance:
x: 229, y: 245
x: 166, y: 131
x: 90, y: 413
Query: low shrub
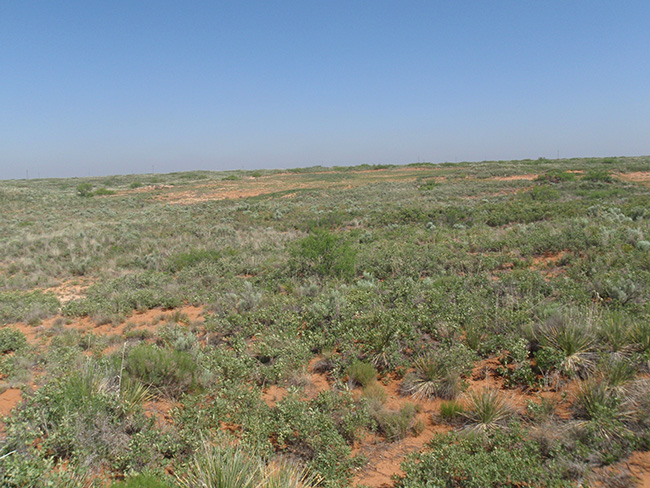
x: 362, y: 373
x: 169, y: 372
x: 11, y: 340
x: 505, y: 458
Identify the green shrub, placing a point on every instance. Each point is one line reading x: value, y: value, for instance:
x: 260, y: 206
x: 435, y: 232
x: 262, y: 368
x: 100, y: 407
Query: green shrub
x: 451, y: 411
x: 487, y: 410
x: 440, y: 373
x: 396, y: 425
x: 226, y: 467
x: 503, y: 458
x: 170, y: 372
x: 362, y: 373
x: 11, y: 340
x: 556, y: 176
x: 29, y: 307
x: 192, y: 258
x: 142, y: 481
x: 598, y: 175
x: 325, y: 254
x: 85, y: 189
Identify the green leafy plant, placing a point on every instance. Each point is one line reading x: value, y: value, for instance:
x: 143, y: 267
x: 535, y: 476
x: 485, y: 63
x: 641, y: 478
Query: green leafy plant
x: 362, y: 373
x: 326, y: 254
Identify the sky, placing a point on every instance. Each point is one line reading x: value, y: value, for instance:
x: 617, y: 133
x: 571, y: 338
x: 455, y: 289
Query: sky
x: 120, y: 87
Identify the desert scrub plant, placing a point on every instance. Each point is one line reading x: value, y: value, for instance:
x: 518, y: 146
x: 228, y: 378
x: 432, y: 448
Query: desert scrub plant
x: 168, y: 372
x: 597, y: 399
x: 235, y: 467
x: 572, y: 335
x: 362, y: 373
x: 80, y: 417
x: 30, y: 307
x: 11, y: 339
x: 504, y: 458
x: 486, y: 410
x: 143, y: 481
x: 325, y: 254
x: 598, y: 175
x: 451, y: 411
x: 85, y: 190
x: 191, y: 258
x: 440, y: 373
x: 398, y: 424
x: 432, y: 378
x: 516, y: 368
x: 320, y: 432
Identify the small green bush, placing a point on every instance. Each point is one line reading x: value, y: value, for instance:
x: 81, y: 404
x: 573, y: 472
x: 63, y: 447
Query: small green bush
x: 598, y: 175
x: 191, y: 258
x: 504, y: 458
x: 85, y: 190
x: 11, y: 340
x: 170, y: 372
x: 451, y: 410
x: 142, y: 481
x: 362, y: 373
x: 325, y: 254
x: 396, y: 425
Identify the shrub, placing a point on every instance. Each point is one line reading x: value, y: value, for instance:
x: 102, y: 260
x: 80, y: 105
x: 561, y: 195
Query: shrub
x: 572, y: 336
x: 599, y: 175
x: 142, y: 481
x: 451, y: 411
x: 556, y: 176
x: 85, y: 190
x: 169, y: 372
x: 432, y: 378
x: 11, y: 340
x: 29, y: 307
x: 362, y: 373
x: 439, y: 373
x: 396, y: 425
x: 504, y: 458
x: 228, y: 467
x: 325, y: 254
x: 192, y: 258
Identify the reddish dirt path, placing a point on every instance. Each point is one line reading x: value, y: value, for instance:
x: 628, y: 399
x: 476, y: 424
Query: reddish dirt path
x: 639, y: 464
x: 9, y: 399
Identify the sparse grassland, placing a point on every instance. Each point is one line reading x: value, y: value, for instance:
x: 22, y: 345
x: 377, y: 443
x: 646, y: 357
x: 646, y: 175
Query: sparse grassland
x: 477, y: 324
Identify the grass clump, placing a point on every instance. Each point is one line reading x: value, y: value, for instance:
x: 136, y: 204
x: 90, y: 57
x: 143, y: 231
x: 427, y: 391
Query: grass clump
x: 362, y: 373
x: 399, y: 424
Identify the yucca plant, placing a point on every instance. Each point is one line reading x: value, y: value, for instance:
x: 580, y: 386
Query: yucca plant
x: 596, y: 399
x: 223, y: 467
x: 433, y: 377
x: 614, y: 332
x: 232, y: 467
x: 486, y: 410
x: 285, y: 474
x: 575, y: 339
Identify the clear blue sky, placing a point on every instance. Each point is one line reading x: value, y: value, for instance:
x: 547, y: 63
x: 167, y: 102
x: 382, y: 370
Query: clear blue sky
x: 114, y: 87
